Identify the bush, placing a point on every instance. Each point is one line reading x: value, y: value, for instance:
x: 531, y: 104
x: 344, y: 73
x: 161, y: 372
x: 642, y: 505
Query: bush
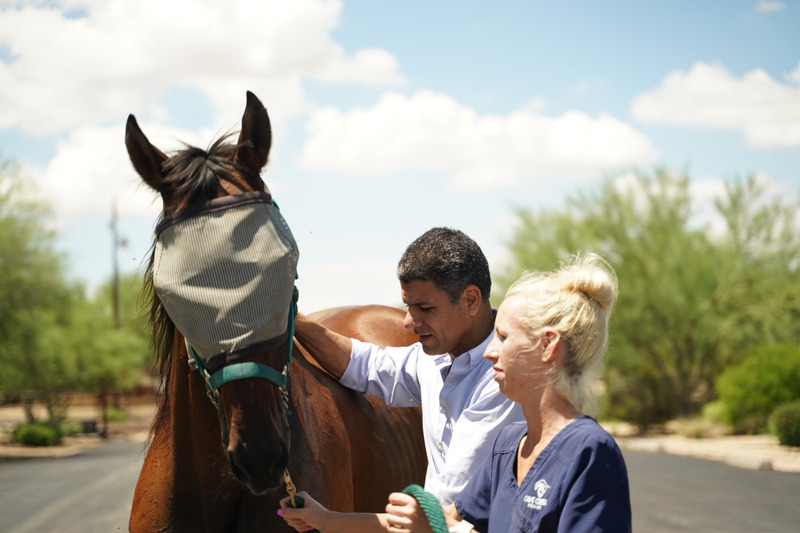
x: 716, y: 412
x: 698, y: 427
x: 767, y: 378
x: 785, y: 423
x: 70, y: 428
x: 39, y: 434
x: 116, y: 415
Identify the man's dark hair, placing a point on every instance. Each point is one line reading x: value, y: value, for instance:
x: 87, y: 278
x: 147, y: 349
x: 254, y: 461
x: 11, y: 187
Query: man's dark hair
x: 448, y: 258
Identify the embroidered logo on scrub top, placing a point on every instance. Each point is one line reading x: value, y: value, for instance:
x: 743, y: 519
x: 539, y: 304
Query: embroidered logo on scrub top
x: 538, y: 501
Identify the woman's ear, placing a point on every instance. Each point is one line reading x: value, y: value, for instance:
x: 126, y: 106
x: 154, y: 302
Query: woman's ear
x: 551, y: 340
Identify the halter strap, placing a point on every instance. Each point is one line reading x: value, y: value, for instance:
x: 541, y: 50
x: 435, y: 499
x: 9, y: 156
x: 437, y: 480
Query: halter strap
x: 247, y: 369
x: 217, y: 204
x: 250, y: 369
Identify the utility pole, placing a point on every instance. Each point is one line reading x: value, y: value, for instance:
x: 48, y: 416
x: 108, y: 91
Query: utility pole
x: 115, y: 243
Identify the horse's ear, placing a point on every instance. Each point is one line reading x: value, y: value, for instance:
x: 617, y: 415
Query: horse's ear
x: 146, y: 158
x: 255, y: 138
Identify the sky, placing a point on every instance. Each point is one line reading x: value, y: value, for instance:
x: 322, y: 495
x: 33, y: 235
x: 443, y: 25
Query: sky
x: 390, y: 118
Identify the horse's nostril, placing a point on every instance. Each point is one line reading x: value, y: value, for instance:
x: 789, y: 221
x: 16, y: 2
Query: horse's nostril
x: 258, y: 472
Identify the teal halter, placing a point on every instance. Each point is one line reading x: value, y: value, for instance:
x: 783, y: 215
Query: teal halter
x: 223, y: 271
x: 250, y: 369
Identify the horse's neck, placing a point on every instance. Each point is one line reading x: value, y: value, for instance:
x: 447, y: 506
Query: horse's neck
x: 186, y: 465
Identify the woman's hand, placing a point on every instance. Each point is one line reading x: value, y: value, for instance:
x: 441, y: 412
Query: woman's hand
x: 311, y: 516
x: 405, y: 515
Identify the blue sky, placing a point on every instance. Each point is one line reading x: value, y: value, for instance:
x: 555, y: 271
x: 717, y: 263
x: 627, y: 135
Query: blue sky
x: 394, y: 117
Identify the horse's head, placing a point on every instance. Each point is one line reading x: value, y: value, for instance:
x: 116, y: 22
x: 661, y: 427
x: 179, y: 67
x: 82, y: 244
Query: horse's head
x: 223, y: 270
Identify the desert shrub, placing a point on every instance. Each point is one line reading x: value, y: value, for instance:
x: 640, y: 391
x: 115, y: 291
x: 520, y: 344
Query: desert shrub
x: 750, y: 391
x: 70, y: 428
x: 38, y: 434
x: 785, y: 423
x: 115, y: 414
x: 715, y: 412
x: 698, y: 427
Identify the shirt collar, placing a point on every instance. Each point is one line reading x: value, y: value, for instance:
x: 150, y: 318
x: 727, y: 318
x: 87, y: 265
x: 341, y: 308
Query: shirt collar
x: 474, y: 356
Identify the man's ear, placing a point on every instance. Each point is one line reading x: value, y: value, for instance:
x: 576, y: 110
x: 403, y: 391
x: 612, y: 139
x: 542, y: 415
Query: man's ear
x: 472, y: 297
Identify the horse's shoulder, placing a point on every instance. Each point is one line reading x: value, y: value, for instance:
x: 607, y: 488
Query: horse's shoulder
x: 379, y: 324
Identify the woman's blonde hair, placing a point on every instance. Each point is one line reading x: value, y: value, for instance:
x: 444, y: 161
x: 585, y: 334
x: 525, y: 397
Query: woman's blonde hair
x: 576, y: 300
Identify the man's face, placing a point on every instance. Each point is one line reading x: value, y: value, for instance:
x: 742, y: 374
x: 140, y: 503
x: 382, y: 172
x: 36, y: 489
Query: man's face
x: 440, y: 326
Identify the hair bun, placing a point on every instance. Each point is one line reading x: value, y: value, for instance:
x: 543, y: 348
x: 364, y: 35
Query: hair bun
x: 593, y: 277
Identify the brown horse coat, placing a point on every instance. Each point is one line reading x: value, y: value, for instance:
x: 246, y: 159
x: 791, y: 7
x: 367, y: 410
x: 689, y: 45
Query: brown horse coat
x: 347, y: 450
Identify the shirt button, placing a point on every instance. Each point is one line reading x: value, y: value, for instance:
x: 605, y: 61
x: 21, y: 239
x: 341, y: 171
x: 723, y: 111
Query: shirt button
x: 439, y: 446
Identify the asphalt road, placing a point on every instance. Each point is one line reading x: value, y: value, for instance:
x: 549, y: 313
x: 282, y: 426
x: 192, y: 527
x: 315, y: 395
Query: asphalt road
x: 672, y: 493
x: 91, y: 493
x: 87, y: 493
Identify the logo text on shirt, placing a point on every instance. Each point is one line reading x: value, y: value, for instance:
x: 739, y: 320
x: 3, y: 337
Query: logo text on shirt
x: 538, y: 501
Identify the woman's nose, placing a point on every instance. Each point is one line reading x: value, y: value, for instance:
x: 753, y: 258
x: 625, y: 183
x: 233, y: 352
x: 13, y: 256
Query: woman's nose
x: 491, y: 353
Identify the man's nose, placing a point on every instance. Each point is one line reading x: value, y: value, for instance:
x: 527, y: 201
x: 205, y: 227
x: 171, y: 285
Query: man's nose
x: 409, y: 322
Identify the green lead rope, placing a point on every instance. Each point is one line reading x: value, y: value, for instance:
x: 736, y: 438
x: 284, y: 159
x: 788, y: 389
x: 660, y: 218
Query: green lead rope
x: 431, y: 506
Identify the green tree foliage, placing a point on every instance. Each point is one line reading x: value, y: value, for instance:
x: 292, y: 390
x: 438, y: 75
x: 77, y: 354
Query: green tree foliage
x: 767, y: 378
x: 108, y: 357
x: 33, y: 295
x: 53, y: 339
x: 692, y: 296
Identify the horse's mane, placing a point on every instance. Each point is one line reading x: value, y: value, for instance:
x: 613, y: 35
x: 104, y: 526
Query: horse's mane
x: 193, y: 174
x: 163, y: 340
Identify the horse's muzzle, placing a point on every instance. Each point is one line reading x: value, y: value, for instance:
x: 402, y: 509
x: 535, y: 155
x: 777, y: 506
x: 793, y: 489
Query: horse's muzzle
x: 259, y: 472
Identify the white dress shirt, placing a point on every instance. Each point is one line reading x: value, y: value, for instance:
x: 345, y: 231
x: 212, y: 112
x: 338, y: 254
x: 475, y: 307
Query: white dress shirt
x: 462, y: 408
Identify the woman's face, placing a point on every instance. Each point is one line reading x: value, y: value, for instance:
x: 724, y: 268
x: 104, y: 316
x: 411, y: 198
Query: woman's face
x: 516, y: 358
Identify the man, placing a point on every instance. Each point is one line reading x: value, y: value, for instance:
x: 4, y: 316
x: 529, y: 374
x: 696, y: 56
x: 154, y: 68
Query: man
x: 445, y: 284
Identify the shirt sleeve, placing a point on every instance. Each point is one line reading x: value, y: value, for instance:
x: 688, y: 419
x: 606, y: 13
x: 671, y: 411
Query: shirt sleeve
x: 390, y: 373
x: 599, y: 498
x: 474, y: 434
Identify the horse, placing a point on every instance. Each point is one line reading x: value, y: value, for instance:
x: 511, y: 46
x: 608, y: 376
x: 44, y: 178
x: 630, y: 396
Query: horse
x: 244, y: 407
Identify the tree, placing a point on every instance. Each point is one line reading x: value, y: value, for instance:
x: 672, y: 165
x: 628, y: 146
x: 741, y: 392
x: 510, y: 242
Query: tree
x: 691, y: 302
x: 110, y: 357
x: 33, y: 294
x: 53, y: 339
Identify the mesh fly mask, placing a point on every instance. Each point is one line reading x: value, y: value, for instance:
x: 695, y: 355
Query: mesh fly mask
x: 224, y: 272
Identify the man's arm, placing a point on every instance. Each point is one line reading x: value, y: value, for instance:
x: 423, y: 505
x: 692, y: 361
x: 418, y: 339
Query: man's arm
x: 329, y: 348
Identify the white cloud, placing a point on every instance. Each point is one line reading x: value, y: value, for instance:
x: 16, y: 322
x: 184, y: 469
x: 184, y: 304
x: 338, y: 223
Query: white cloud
x: 89, y: 170
x: 766, y: 111
x: 432, y: 131
x: 368, y: 66
x: 794, y: 76
x: 767, y: 6
x: 98, y: 62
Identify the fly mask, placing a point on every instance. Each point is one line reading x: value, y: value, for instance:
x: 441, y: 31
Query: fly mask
x: 224, y: 272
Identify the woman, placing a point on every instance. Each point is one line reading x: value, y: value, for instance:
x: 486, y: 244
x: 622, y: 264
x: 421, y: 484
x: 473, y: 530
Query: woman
x: 558, y: 470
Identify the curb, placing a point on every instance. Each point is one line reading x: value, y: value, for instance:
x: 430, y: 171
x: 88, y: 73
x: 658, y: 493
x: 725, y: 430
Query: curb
x: 71, y: 447
x: 746, y: 452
